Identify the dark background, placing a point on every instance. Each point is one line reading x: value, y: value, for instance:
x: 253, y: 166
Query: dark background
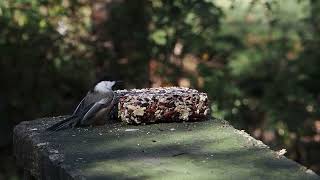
x: 257, y: 60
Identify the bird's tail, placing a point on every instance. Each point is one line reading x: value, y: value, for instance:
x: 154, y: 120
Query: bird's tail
x: 63, y: 124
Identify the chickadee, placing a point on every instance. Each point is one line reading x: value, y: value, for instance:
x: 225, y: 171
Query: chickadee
x: 93, y: 108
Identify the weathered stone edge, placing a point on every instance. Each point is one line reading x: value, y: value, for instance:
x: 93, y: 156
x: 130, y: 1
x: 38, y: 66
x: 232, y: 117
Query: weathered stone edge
x: 34, y: 157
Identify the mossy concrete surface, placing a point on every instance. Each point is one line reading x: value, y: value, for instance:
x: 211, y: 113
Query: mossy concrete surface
x: 195, y: 150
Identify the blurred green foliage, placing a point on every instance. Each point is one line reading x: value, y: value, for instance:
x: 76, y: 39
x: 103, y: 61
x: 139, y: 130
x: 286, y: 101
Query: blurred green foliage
x: 39, y: 63
x: 257, y: 59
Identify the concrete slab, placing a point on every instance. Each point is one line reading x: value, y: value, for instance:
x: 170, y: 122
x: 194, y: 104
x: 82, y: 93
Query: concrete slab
x: 195, y: 150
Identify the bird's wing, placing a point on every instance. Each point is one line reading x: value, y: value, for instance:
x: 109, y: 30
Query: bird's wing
x: 86, y: 104
x: 80, y: 105
x: 103, y: 103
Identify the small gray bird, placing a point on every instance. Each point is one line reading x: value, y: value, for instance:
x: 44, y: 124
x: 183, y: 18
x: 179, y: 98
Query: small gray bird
x: 93, y: 108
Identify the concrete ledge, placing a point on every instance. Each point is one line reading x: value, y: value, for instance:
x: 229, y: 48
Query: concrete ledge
x: 194, y: 150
